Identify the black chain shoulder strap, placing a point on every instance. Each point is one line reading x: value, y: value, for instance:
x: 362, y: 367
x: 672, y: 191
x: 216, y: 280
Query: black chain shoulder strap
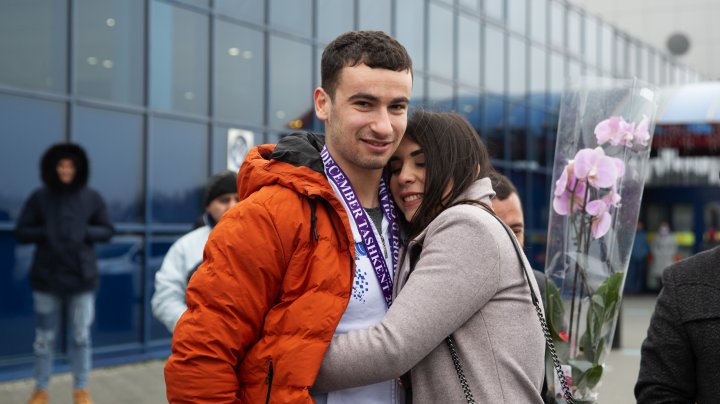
x: 543, y: 324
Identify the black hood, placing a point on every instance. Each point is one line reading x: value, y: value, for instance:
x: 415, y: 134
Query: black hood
x: 48, y: 166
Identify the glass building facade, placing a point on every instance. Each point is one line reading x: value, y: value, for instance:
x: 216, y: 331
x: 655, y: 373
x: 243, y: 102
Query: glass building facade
x: 152, y: 89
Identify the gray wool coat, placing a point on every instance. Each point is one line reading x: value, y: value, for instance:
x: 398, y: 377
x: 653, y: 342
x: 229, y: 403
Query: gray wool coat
x: 467, y: 282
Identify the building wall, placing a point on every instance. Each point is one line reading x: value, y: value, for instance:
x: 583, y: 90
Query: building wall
x: 153, y: 88
x: 654, y: 21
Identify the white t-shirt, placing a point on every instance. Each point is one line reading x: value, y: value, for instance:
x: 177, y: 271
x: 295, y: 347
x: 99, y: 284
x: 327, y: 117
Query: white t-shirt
x: 366, y: 308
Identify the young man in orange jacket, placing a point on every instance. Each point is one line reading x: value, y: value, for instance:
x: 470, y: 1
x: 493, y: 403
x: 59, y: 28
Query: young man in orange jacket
x: 311, y: 249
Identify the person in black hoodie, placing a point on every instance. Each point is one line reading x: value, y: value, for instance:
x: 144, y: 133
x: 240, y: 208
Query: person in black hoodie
x: 64, y: 218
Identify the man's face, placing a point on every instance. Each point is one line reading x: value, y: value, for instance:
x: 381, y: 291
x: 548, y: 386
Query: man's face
x: 66, y: 171
x: 221, y: 204
x: 366, y: 120
x: 510, y: 212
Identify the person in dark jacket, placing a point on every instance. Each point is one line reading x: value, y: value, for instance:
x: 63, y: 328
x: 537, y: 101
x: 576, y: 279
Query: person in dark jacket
x: 680, y: 356
x: 64, y: 218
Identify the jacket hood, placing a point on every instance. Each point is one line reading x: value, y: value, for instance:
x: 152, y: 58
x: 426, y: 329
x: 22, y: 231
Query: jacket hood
x: 48, y: 166
x: 293, y: 163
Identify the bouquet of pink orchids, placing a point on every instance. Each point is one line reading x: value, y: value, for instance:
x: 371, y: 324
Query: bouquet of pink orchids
x: 596, y: 197
x: 587, y: 187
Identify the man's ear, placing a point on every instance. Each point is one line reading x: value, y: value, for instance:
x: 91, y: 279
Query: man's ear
x: 322, y: 104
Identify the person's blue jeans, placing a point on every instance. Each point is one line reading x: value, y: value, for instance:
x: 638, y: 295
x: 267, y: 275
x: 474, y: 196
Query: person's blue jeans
x: 80, y: 315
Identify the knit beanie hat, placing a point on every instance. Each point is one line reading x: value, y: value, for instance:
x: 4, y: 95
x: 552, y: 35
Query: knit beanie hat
x: 220, y: 184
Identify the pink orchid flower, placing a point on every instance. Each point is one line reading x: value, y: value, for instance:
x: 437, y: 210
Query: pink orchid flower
x: 568, y: 191
x: 625, y: 135
x: 601, y: 171
x: 607, y: 129
x: 601, y: 219
x: 642, y: 133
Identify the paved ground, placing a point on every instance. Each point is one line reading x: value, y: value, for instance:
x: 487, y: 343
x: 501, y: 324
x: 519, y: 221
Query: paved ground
x: 142, y: 383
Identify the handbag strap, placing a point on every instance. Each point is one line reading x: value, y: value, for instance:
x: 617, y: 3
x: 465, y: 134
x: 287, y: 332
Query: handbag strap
x: 543, y: 323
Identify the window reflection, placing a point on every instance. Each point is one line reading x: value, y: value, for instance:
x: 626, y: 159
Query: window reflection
x: 557, y: 24
x: 109, y: 58
x: 33, y: 44
x: 410, y: 29
x: 441, y: 39
x: 374, y: 15
x: 239, y: 74
x: 113, y: 141
x: 591, y: 40
x: 495, y: 9
x: 468, y: 63
x: 517, y: 81
x: 517, y: 18
x: 333, y: 18
x: 248, y: 10
x: 292, y: 16
x: 494, y: 60
x: 440, y: 96
x: 178, y: 170
x: 178, y: 62
x: 290, y: 92
x: 538, y: 20
x: 29, y: 127
x: 538, y: 75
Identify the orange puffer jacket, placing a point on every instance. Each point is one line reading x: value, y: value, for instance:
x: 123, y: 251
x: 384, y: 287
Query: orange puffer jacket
x: 274, y: 283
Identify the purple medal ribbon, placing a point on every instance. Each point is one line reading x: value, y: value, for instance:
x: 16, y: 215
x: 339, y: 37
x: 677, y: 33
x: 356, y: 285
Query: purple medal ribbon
x: 347, y: 192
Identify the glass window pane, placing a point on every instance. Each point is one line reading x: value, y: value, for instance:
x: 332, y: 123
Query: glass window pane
x: 118, y: 303
x: 473, y: 5
x: 620, y: 56
x: 557, y: 24
x: 538, y: 20
x: 517, y: 15
x: 632, y: 69
x: 248, y: 10
x: 290, y: 94
x: 517, y: 80
x: 494, y: 126
x: 178, y: 61
x: 495, y: 9
x: 518, y: 132
x: 410, y: 27
x: 469, y: 104
x: 607, y: 42
x: 591, y: 40
x: 557, y: 77
x: 109, y: 57
x: 33, y: 44
x: 440, y: 96
x: 468, y: 45
x: 574, y: 33
x: 28, y: 128
x: 178, y: 170
x: 114, y: 144
x: 374, y: 15
x: 644, y: 64
x: 334, y: 17
x: 292, y: 16
x: 538, y: 75
x: 494, y: 60
x: 441, y: 39
x: 239, y: 73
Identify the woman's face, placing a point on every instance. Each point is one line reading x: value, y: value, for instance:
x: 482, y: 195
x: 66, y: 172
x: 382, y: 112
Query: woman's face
x: 407, y: 178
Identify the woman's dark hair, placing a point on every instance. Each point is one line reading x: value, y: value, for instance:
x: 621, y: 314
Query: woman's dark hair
x: 375, y: 49
x: 454, y: 154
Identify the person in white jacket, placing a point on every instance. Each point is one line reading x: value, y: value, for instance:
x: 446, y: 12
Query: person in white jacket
x: 185, y: 255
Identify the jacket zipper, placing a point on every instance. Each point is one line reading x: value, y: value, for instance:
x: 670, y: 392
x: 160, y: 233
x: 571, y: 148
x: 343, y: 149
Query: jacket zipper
x: 269, y: 380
